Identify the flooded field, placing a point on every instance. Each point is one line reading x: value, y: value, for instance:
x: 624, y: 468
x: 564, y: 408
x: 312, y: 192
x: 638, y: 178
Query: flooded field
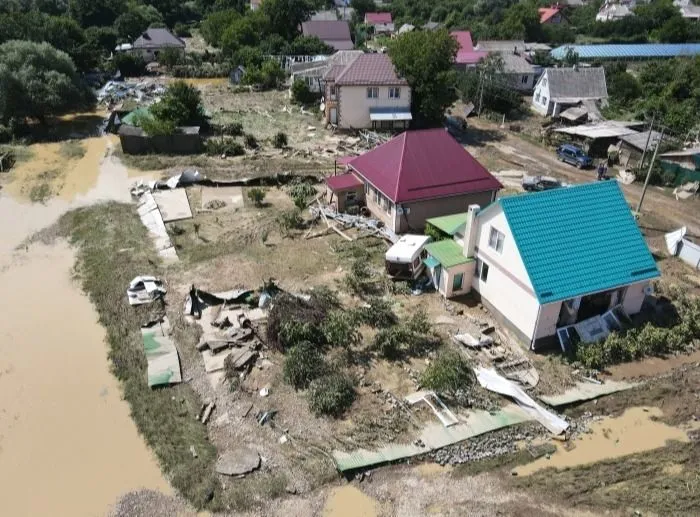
x: 67, y: 443
x: 632, y: 432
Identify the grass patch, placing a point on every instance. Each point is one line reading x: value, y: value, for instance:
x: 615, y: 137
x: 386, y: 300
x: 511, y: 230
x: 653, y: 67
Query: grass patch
x: 21, y: 153
x: 72, y: 150
x: 40, y: 193
x: 643, y: 481
x: 163, y: 416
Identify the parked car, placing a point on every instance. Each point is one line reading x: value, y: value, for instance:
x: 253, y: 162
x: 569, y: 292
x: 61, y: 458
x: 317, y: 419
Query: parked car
x: 539, y: 183
x: 571, y: 154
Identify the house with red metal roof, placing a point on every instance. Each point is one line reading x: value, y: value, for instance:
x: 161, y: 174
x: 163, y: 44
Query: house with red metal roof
x: 413, y: 177
x: 466, y: 55
x: 366, y: 92
x: 381, y: 22
x: 551, y: 15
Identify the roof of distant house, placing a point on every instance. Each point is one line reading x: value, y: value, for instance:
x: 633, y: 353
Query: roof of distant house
x: 335, y: 33
x: 516, y: 64
x: 370, y: 69
x: 329, y: 15
x: 466, y: 55
x: 628, y: 51
x: 158, y: 38
x: 547, y: 13
x: 574, y: 84
x: 378, y: 18
x: 578, y: 240
x: 423, y: 164
x: 501, y: 45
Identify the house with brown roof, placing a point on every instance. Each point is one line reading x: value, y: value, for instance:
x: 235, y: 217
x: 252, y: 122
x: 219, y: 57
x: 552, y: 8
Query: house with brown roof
x: 415, y: 176
x: 334, y: 33
x: 154, y: 41
x: 366, y: 93
x: 551, y: 15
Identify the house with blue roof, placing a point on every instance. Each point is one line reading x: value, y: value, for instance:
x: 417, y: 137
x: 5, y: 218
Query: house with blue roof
x: 544, y: 261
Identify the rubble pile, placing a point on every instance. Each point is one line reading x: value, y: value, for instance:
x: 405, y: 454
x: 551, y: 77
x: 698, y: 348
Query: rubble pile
x: 116, y: 92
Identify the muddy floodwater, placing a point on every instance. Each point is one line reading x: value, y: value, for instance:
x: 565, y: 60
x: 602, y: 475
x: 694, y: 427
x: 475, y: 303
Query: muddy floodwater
x: 67, y: 443
x: 349, y: 501
x: 636, y: 430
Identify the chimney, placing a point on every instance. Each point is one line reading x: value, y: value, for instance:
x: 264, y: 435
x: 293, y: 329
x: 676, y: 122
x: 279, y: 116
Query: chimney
x: 470, y: 231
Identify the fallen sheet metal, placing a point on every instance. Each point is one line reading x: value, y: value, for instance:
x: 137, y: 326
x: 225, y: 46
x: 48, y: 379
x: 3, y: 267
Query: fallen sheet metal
x: 161, y: 354
x: 151, y: 218
x: 441, y: 411
x: 587, y: 391
x: 489, y: 379
x: 433, y: 437
x: 678, y: 245
x: 144, y: 289
x: 173, y: 204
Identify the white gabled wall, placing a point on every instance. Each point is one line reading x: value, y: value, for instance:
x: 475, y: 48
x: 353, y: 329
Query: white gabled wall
x: 540, y: 94
x: 507, y: 288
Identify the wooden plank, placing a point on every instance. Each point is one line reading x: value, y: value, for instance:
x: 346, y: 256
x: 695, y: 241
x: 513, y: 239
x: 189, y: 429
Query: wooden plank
x: 343, y: 235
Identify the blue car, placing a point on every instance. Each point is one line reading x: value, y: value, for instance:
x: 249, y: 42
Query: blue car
x: 573, y: 155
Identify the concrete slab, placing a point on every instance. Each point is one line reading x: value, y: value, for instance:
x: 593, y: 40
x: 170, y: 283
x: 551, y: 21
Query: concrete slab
x: 214, y: 362
x: 232, y: 196
x: 173, y: 204
x: 238, y: 462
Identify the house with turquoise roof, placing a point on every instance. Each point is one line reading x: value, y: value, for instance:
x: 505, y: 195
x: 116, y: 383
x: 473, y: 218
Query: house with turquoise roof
x: 545, y: 261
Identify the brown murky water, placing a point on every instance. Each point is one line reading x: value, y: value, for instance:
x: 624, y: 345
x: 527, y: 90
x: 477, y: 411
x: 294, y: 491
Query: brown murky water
x: 632, y: 432
x: 67, y: 443
x: 349, y: 501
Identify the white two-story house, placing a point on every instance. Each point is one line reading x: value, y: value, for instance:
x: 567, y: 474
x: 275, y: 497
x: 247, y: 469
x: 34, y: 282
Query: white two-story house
x: 367, y: 93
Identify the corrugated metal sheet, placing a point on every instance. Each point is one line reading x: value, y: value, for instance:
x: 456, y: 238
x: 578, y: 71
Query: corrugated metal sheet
x: 434, y: 436
x: 578, y: 240
x: 448, y: 253
x: 629, y: 51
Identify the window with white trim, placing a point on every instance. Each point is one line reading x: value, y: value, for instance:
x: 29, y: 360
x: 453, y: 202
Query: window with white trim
x: 496, y: 239
x: 482, y: 270
x: 372, y: 92
x: 394, y: 93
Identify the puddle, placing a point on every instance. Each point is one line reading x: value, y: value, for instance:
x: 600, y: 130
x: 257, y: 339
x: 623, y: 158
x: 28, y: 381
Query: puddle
x: 349, y: 501
x: 68, y: 445
x: 652, y: 366
x: 632, y: 432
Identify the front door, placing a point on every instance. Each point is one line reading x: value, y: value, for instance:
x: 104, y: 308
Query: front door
x: 334, y: 115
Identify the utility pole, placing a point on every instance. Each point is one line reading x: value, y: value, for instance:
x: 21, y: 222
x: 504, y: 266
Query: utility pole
x: 651, y: 128
x: 481, y: 95
x: 646, y: 181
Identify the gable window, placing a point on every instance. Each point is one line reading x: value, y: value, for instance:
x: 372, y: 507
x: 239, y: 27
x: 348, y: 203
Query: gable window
x: 372, y: 92
x: 496, y: 239
x: 523, y: 79
x: 544, y: 100
x: 544, y: 81
x: 394, y: 93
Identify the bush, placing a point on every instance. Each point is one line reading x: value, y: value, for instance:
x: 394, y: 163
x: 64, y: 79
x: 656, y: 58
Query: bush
x: 250, y: 141
x: 182, y: 30
x: 257, y: 196
x: 377, y: 314
x: 304, y: 363
x: 129, y: 65
x: 232, y: 129
x: 300, y: 191
x: 287, y: 317
x: 280, y: 140
x: 331, y: 395
x: 449, y: 374
x: 301, y: 94
x: 393, y: 342
x: 5, y: 134
x: 289, y: 220
x: 340, y: 328
x: 435, y: 233
x: 294, y: 332
x: 220, y: 146
x: 419, y: 322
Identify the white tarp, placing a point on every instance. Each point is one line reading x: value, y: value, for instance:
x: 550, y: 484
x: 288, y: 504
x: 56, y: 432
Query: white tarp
x: 678, y: 245
x: 151, y: 218
x: 144, y: 289
x: 673, y: 239
x: 489, y: 379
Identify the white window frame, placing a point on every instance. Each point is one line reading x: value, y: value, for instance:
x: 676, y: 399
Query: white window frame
x: 394, y: 92
x: 496, y: 239
x: 372, y: 92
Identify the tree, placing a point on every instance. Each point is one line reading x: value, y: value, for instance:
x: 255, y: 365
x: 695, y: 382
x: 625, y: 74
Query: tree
x: 268, y: 75
x: 170, y: 57
x: 521, y: 21
x: 675, y: 30
x: 214, y: 25
x: 257, y: 196
x: 129, y: 65
x: 301, y: 94
x: 307, y: 46
x: 38, y: 81
x: 286, y: 16
x: 425, y: 59
x: 181, y: 104
x: 136, y: 20
x: 361, y: 7
x: 98, y: 13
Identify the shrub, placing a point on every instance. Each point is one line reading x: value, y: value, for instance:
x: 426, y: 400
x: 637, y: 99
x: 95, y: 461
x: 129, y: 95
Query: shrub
x: 435, y: 233
x: 339, y: 328
x: 331, y: 394
x: 182, y: 30
x: 287, y: 308
x: 221, y: 146
x: 250, y: 141
x: 232, y: 129
x: 280, y: 140
x: 448, y: 374
x: 304, y: 363
x: 301, y: 94
x: 129, y: 65
x: 257, y: 195
x: 391, y: 343
x: 294, y: 332
x: 419, y: 322
x: 289, y: 220
x: 378, y: 313
x: 361, y: 280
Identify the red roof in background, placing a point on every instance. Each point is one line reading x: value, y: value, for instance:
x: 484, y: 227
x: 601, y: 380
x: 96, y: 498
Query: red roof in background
x: 421, y: 165
x: 377, y: 17
x: 466, y: 55
x: 370, y: 69
x: 547, y: 12
x: 343, y: 182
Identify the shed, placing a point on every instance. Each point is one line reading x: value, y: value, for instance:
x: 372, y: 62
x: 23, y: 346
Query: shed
x: 346, y: 188
x: 632, y: 146
x: 598, y: 137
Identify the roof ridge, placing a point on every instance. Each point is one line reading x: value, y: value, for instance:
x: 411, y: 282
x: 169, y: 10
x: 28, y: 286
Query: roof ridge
x: 403, y: 153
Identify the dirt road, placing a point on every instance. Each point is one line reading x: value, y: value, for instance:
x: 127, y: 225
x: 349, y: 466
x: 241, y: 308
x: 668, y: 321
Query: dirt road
x: 522, y: 154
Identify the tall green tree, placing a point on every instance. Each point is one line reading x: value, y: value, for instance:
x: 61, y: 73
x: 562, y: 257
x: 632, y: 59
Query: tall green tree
x: 286, y: 16
x: 99, y: 13
x: 181, y: 105
x: 426, y: 60
x: 38, y: 81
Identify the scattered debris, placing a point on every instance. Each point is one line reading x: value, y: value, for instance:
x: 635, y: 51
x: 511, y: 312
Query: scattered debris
x: 441, y: 411
x: 626, y: 177
x: 161, y: 354
x: 152, y: 219
x: 144, y: 92
x: 492, y: 381
x: 593, y: 329
x: 193, y: 451
x: 238, y: 462
x: 687, y: 190
x: 678, y: 246
x: 265, y: 417
x: 207, y: 412
x: 264, y: 392
x: 346, y: 221
x: 145, y: 289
